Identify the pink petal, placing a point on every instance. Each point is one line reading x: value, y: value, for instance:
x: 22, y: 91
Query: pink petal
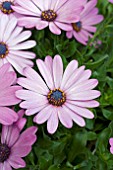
x: 57, y: 4
x: 54, y: 29
x: 69, y: 34
x: 34, y: 76
x: 84, y: 95
x: 7, y: 80
x: 80, y: 111
x: 22, y: 46
x: 19, y: 63
x: 76, y: 118
x: 4, y: 69
x: 11, y: 99
x: 79, y: 38
x: 90, y: 28
x: 63, y: 26
x: 6, y: 166
x: 44, y: 114
x: 23, y: 54
x: 24, y: 11
x: 88, y: 7
x: 52, y: 123
x: 31, y: 85
x: 111, y: 141
x: 16, y: 32
x: 94, y: 20
x: 64, y: 117
x: 21, y: 151
x: 21, y: 121
x: 49, y: 64
x: 65, y: 13
x: 28, y: 22
x: 111, y: 150
x: 7, y: 116
x: 83, y: 86
x: 74, y: 78
x: 22, y: 37
x: 3, y: 22
x: 87, y: 104
x: 10, y: 27
x: 27, y: 138
x: 35, y: 110
x: 110, y: 1
x: 72, y: 66
x: 16, y: 162
x: 45, y: 73
x: 41, y: 25
x: 85, y: 76
x: 57, y: 71
x: 39, y: 4
x: 29, y: 6
x: 13, y: 135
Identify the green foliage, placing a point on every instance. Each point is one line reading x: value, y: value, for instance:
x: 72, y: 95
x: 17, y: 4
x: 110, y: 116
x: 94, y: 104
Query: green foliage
x: 79, y: 148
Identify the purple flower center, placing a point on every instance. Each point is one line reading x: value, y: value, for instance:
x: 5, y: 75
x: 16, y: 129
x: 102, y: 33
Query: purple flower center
x: 77, y: 26
x: 6, y: 7
x: 48, y: 15
x: 4, y: 152
x: 56, y: 97
x: 3, y: 50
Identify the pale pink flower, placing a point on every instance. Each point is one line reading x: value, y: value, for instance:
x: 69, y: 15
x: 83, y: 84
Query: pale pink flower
x: 83, y: 29
x: 13, y: 42
x: 7, y: 95
x: 111, y: 143
x: 16, y: 145
x: 57, y: 14
x: 59, y: 96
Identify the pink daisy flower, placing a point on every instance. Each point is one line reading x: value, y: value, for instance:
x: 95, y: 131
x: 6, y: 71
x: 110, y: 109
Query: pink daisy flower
x: 111, y: 143
x: 12, y: 44
x: 14, y: 146
x: 59, y: 96
x: 7, y: 95
x: 85, y: 26
x: 56, y: 14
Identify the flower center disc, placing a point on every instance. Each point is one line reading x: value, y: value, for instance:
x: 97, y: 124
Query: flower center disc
x: 4, y: 152
x: 56, y: 97
x: 77, y: 26
x: 6, y: 7
x: 3, y: 50
x: 49, y: 15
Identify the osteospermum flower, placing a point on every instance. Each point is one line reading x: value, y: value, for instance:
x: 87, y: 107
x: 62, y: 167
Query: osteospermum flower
x: 16, y: 145
x: 53, y: 13
x: 7, y: 95
x: 111, y: 143
x: 12, y: 44
x: 59, y: 96
x: 84, y: 28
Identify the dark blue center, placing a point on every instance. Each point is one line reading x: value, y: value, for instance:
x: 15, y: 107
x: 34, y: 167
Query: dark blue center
x: 4, y: 152
x: 7, y: 5
x: 3, y: 49
x: 79, y: 24
x: 57, y: 95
